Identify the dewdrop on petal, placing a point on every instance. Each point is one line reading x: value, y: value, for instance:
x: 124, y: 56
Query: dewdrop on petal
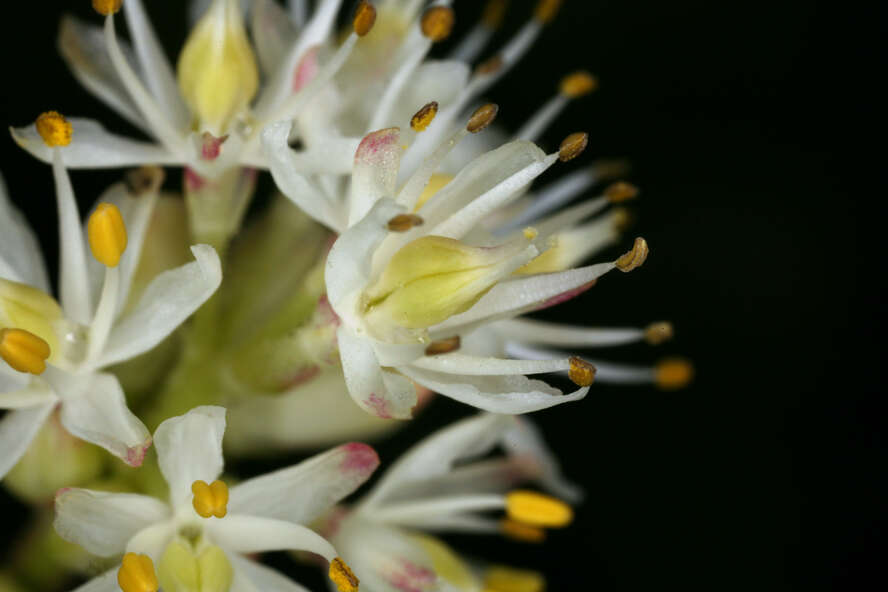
x: 342, y: 575
x: 217, y: 70
x: 107, y: 7
x: 537, y: 509
x: 54, y: 129
x: 136, y: 574
x: 634, y: 258
x: 107, y: 234
x: 24, y: 351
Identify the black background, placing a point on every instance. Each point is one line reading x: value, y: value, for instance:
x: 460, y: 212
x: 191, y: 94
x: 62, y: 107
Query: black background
x: 753, y: 131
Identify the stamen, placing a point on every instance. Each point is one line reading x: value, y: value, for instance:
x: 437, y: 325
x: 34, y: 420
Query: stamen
x: 443, y: 346
x: 365, y: 18
x: 572, y: 146
x: 581, y: 372
x: 521, y: 532
x: 146, y: 179
x: 508, y: 579
x: 621, y: 191
x: 494, y: 13
x: 530, y: 233
x: 657, y: 333
x: 634, y: 258
x: 107, y: 234
x: 54, y: 129
x: 422, y: 118
x: 437, y: 23
x: 578, y: 84
x: 673, y: 374
x: 136, y: 574
x: 536, y: 509
x: 404, y: 222
x: 24, y: 351
x: 106, y: 7
x: 489, y: 66
x: 546, y: 10
x: 473, y: 43
x: 342, y: 575
x: 482, y: 117
x: 622, y: 219
x: 210, y: 500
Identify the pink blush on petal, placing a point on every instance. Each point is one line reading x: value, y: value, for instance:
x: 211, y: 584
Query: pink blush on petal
x: 359, y: 457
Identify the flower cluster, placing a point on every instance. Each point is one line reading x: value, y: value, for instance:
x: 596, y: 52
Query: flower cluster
x: 402, y: 255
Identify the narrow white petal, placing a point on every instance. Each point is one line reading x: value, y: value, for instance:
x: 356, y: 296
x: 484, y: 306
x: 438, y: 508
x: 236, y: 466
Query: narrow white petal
x: 497, y: 394
x: 152, y: 540
x: 75, y: 298
x: 189, y: 447
x: 252, y: 534
x: 167, y: 302
x: 20, y: 257
x: 17, y: 429
x: 250, y: 576
x: 524, y: 440
x: 107, y: 582
x: 379, y: 392
x: 272, y: 32
x: 409, y: 513
x: 33, y: 393
x: 93, y: 147
x: 102, y: 522
x: 94, y: 409
x: 302, y: 492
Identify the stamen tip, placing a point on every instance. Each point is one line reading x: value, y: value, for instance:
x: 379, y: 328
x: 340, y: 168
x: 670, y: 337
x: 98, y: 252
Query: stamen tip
x: 424, y: 117
x: 657, y: 333
x: 54, y: 129
x: 578, y: 84
x: 519, y: 531
x: 620, y: 191
x: 489, y: 66
x: 437, y: 23
x: 482, y: 117
x: 24, y: 351
x: 494, y: 13
x: 404, y: 222
x: 443, y: 346
x: 634, y: 258
x: 107, y: 7
x: 572, y: 146
x: 537, y: 509
x: 673, y: 374
x: 365, y: 18
x: 546, y: 10
x: 342, y: 576
x: 581, y: 372
x: 106, y: 231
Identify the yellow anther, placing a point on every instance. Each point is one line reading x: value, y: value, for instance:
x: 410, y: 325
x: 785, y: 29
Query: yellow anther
x: 530, y: 233
x: 136, y: 574
x: 536, y: 509
x: 581, y: 372
x: 673, y: 374
x: 443, y: 346
x: 572, y: 146
x: 342, y: 575
x: 634, y: 258
x: 107, y: 234
x: 435, y: 184
x: 437, y: 23
x: 493, y: 14
x: 365, y: 18
x: 657, y: 333
x: 508, y: 579
x: 54, y: 129
x: 404, y: 222
x: 421, y: 120
x: 24, y: 351
x: 522, y: 532
x: 620, y: 191
x: 482, y: 117
x: 489, y: 66
x: 546, y: 10
x: 210, y: 500
x: 578, y: 84
x: 106, y: 7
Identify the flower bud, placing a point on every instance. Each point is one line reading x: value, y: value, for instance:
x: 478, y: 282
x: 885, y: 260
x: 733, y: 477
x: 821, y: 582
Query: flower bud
x: 217, y: 69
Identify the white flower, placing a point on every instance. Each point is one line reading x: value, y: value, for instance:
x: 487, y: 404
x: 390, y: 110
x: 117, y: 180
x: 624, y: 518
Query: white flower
x: 202, y: 516
x: 448, y: 484
x: 89, y: 330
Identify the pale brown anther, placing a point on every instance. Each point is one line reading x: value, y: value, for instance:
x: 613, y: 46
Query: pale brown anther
x: 365, y: 17
x: 424, y: 117
x: 493, y: 14
x: 444, y: 346
x: 546, y: 10
x: 437, y: 23
x: 482, y: 117
x: 106, y: 7
x: 634, y: 258
x: 578, y: 84
x: 622, y: 219
x: 657, y: 333
x: 572, y: 146
x: 620, y: 191
x: 581, y: 372
x: 673, y: 373
x: 489, y: 66
x: 146, y: 179
x: 404, y: 222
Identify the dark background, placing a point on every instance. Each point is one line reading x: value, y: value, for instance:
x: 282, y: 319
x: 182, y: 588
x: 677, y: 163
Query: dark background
x: 752, y: 128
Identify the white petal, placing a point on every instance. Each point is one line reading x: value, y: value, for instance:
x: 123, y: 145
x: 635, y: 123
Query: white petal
x: 497, y: 394
x: 250, y: 576
x: 102, y: 522
x: 20, y: 257
x: 17, y: 430
x: 189, y: 447
x: 83, y: 48
x: 30, y: 394
x: 152, y: 540
x: 375, y: 172
x: 350, y: 258
x: 107, y: 582
x: 302, y: 492
x: 438, y: 453
x: 154, y: 65
x: 252, y: 534
x: 167, y: 302
x: 379, y: 392
x: 75, y: 297
x: 561, y: 335
x: 524, y: 439
x: 92, y: 147
x: 94, y: 409
x: 272, y: 32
